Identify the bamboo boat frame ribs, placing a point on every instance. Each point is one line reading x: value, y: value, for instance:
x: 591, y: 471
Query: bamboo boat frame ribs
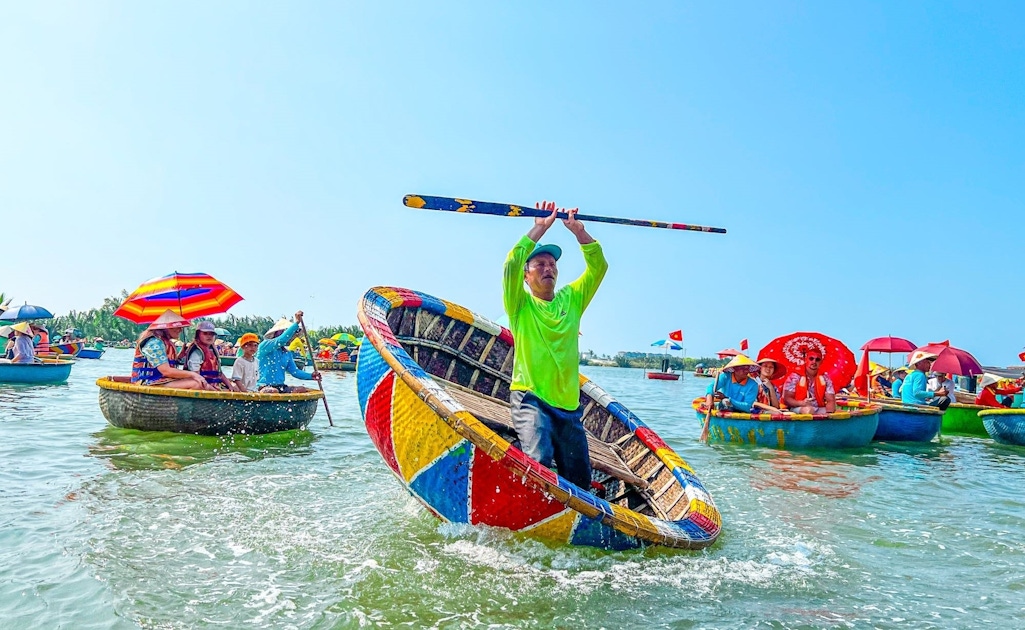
x: 460, y: 366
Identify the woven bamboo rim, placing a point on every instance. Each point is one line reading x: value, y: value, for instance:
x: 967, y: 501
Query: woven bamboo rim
x: 1002, y: 412
x: 860, y: 408
x: 106, y: 383
x: 978, y: 408
x: 44, y: 362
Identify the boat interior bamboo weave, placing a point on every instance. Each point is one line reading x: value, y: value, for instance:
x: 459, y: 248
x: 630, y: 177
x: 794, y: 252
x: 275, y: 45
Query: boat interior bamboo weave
x: 459, y: 365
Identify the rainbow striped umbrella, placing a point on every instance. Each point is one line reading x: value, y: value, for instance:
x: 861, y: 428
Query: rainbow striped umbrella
x: 191, y: 295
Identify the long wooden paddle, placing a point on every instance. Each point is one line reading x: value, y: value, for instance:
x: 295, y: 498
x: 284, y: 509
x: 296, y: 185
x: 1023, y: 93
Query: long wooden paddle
x: 708, y: 412
x: 450, y: 204
x: 309, y: 346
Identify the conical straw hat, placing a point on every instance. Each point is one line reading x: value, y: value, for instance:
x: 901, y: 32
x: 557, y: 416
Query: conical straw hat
x: 741, y: 361
x: 169, y: 319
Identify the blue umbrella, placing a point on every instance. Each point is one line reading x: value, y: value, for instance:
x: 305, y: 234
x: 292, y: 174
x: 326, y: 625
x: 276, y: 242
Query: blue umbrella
x: 668, y: 344
x: 24, y: 313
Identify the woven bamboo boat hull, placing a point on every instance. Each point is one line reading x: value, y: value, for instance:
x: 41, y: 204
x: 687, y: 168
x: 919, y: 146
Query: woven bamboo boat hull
x: 964, y: 419
x: 49, y: 372
x: 664, y: 376
x: 342, y: 366
x: 203, y: 413
x: 433, y: 385
x: 90, y: 353
x: 851, y: 427
x: 908, y: 423
x: 1006, y: 426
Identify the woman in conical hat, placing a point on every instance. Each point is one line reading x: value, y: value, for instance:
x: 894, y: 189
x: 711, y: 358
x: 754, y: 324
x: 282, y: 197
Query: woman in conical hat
x: 768, y: 396
x: 734, y: 388
x: 155, y: 356
x: 24, y: 352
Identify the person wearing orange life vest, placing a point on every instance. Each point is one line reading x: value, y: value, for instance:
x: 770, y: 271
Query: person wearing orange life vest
x: 810, y: 392
x: 771, y: 370
x: 155, y: 356
x: 199, y: 356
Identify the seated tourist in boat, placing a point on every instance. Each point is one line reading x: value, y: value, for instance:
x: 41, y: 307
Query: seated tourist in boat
x: 24, y: 351
x: 914, y: 391
x: 770, y: 370
x: 199, y: 356
x: 545, y: 324
x: 988, y: 392
x: 734, y: 389
x: 41, y: 337
x: 273, y: 359
x: 898, y: 380
x: 939, y: 380
x: 155, y: 356
x: 9, y: 343
x: 244, y: 372
x: 810, y: 392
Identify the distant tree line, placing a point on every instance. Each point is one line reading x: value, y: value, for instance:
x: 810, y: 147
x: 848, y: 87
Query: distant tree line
x: 654, y: 359
x: 101, y: 322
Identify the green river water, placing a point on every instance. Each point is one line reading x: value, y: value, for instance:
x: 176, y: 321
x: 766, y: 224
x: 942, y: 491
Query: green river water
x: 108, y: 528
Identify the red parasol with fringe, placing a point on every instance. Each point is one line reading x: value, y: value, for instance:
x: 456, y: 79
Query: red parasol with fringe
x: 838, y: 361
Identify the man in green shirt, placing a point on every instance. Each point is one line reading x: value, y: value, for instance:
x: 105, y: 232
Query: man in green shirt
x: 545, y: 324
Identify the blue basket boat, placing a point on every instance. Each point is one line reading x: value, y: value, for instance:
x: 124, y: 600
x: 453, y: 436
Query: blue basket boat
x: 46, y: 372
x: 908, y: 423
x: 851, y: 426
x: 1006, y: 426
x: 90, y: 353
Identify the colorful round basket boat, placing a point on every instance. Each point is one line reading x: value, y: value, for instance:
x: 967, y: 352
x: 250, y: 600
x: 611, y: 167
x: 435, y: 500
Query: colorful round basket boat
x: 963, y: 419
x: 852, y: 426
x: 1006, y: 426
x: 336, y: 366
x: 908, y: 423
x: 433, y: 385
x: 202, y: 412
x: 42, y: 372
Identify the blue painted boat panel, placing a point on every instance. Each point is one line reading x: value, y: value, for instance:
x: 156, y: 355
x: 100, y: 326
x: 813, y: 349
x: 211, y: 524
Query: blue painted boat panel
x: 907, y: 425
x: 35, y: 373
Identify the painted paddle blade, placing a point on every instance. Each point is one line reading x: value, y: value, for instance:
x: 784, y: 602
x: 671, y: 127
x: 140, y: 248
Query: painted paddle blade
x: 451, y: 204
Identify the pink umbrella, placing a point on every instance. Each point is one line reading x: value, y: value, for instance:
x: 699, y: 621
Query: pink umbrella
x: 888, y: 344
x: 729, y: 352
x: 951, y: 360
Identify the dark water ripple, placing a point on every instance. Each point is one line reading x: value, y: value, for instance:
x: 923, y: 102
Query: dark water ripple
x: 106, y: 528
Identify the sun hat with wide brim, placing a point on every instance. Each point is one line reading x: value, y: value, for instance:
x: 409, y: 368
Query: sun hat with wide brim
x: 548, y: 248
x: 23, y: 328
x: 900, y: 369
x: 169, y: 319
x: 919, y: 356
x: 988, y: 379
x: 247, y: 338
x: 779, y: 372
x: 741, y: 361
x: 281, y: 324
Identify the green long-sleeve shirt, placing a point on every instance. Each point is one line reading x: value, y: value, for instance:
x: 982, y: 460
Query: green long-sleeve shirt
x: 547, y: 353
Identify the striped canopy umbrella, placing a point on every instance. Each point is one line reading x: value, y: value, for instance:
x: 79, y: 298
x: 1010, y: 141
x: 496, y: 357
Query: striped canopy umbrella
x: 191, y: 295
x: 345, y: 338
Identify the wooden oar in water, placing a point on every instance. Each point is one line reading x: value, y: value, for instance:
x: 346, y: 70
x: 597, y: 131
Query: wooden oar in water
x: 451, y: 204
x: 306, y: 336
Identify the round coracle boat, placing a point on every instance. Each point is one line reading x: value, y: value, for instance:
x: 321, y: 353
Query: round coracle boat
x: 851, y: 426
x: 963, y: 419
x: 150, y: 408
x: 43, y: 371
x: 338, y: 366
x: 433, y: 385
x: 908, y: 423
x: 1006, y: 426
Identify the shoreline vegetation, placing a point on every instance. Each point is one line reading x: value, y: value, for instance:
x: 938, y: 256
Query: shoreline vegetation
x: 101, y: 322
x: 649, y: 360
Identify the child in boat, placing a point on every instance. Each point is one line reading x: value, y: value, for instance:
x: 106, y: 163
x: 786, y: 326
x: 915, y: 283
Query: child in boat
x: 244, y: 372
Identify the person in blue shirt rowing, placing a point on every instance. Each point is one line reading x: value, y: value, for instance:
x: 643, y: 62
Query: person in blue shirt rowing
x: 734, y: 389
x: 914, y: 389
x: 274, y: 359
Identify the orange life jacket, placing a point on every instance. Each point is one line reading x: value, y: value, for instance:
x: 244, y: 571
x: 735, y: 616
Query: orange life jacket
x: 801, y: 390
x: 142, y: 371
x: 210, y: 368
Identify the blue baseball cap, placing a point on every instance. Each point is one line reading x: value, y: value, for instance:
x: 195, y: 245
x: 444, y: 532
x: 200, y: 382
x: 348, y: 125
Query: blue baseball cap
x: 552, y: 250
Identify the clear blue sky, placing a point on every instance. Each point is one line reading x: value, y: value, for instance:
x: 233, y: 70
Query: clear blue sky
x: 868, y: 159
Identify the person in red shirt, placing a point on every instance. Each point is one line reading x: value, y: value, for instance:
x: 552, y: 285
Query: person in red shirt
x: 987, y: 396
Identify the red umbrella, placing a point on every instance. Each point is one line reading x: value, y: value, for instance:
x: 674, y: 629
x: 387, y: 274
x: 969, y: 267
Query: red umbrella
x: 888, y: 344
x: 951, y: 360
x: 838, y: 361
x: 191, y: 295
x: 729, y: 352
